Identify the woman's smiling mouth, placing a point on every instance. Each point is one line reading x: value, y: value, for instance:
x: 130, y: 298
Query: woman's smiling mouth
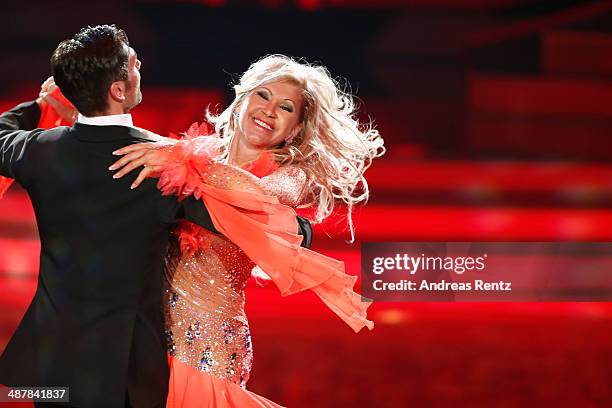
x: 262, y: 124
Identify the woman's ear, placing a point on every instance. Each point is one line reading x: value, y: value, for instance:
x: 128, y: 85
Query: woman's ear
x: 294, y: 132
x: 117, y: 91
x: 296, y: 129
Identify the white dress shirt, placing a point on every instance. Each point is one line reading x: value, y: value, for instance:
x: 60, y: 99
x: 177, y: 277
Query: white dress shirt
x: 124, y: 119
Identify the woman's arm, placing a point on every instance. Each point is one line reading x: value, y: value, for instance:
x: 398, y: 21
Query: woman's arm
x: 287, y: 183
x: 197, y: 154
x: 232, y: 178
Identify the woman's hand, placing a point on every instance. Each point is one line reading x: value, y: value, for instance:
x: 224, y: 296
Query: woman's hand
x: 153, y: 156
x: 67, y: 113
x: 45, y: 90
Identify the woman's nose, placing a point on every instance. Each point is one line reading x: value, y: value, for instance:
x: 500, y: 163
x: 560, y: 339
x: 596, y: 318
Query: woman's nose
x: 268, y: 109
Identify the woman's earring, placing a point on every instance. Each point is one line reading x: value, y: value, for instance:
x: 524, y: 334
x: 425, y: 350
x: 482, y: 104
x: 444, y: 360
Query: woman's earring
x: 292, y: 136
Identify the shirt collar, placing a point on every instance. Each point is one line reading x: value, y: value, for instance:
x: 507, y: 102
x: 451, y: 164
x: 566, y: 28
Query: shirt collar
x: 108, y: 120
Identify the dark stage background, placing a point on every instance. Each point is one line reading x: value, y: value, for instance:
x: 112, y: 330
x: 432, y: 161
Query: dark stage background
x: 498, y: 121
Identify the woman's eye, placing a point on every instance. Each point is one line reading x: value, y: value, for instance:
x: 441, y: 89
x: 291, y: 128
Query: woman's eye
x: 287, y: 108
x: 263, y: 95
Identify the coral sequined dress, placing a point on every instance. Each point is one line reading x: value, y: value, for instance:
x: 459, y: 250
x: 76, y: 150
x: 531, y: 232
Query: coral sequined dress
x: 207, y: 328
x: 209, y: 341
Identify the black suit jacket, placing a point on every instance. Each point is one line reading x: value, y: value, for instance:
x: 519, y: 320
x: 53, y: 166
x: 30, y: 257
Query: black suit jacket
x: 96, y: 322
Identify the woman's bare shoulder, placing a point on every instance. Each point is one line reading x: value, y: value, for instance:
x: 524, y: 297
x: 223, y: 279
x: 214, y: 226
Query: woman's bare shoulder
x: 287, y: 183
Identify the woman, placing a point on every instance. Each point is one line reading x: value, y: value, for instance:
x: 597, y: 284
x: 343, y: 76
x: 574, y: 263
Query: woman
x: 288, y: 140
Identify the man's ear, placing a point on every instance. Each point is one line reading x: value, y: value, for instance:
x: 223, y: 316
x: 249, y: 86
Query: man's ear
x: 117, y: 91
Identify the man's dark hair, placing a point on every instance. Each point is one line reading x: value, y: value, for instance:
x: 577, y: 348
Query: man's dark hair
x: 85, y: 66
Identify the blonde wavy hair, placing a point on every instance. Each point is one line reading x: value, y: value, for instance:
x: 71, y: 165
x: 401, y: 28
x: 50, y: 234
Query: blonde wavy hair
x: 333, y: 148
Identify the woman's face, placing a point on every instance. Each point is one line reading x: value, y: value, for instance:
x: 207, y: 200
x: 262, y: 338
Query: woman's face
x: 270, y: 114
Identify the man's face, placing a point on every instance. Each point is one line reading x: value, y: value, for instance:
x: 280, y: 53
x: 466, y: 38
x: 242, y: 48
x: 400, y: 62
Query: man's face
x: 133, y: 94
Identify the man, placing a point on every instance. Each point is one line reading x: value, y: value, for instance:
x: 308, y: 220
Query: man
x: 95, y: 323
